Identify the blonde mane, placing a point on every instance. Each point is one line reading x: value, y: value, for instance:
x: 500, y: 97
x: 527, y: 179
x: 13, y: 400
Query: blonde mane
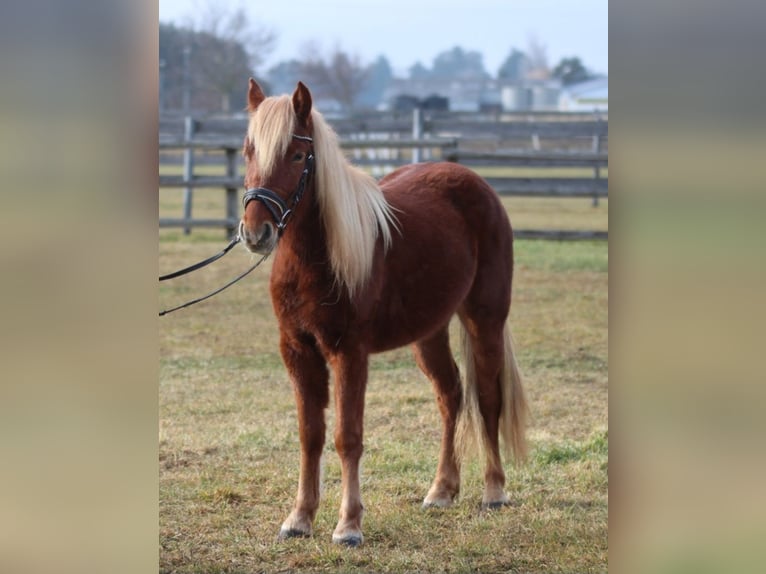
x: 351, y: 204
x: 271, y: 127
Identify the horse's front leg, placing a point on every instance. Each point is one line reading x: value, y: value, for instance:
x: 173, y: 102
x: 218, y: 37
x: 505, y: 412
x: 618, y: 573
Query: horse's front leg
x: 310, y: 379
x: 350, y: 384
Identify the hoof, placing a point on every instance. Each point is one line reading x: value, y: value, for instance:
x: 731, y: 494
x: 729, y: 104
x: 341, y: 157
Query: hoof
x: 495, y: 505
x: 440, y: 497
x: 438, y: 503
x: 352, y: 541
x: 287, y: 533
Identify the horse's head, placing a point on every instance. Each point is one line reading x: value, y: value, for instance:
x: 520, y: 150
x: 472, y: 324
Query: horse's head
x: 278, y: 154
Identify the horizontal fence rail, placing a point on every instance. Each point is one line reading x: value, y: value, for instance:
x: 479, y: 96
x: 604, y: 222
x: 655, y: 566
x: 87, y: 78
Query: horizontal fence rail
x: 385, y: 141
x: 536, y: 159
x: 560, y: 234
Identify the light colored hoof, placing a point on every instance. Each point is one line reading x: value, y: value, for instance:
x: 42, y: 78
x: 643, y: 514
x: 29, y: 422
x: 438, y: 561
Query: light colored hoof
x: 439, y: 497
x: 296, y: 526
x: 496, y: 503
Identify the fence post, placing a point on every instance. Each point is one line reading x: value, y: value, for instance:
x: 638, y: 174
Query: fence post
x: 188, y: 170
x: 449, y: 151
x: 417, y: 132
x: 231, y: 193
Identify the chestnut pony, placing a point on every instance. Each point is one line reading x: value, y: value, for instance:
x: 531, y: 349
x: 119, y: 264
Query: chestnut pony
x: 364, y: 267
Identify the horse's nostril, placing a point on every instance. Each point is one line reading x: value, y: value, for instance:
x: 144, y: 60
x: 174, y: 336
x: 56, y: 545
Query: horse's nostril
x: 266, y: 235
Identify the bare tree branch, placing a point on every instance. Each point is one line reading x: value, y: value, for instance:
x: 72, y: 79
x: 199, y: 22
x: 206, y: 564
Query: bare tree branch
x: 537, y: 54
x: 230, y: 47
x: 340, y: 76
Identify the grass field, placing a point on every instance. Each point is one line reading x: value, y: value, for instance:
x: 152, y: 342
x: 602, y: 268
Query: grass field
x: 228, y: 430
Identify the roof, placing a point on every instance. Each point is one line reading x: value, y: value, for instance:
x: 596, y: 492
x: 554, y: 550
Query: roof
x: 597, y: 89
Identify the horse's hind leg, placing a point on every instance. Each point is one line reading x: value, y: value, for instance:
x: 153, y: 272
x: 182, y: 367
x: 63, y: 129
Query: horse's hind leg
x: 486, y: 344
x: 434, y: 358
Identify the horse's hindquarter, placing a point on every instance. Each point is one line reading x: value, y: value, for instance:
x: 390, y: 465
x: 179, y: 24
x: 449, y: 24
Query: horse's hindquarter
x: 447, y: 216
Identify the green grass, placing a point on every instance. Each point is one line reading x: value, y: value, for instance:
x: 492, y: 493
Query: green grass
x: 596, y: 447
x: 229, y: 446
x: 561, y: 256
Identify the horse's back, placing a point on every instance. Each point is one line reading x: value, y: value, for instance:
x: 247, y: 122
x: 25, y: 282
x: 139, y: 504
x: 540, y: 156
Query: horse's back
x: 443, y: 186
x: 448, y: 198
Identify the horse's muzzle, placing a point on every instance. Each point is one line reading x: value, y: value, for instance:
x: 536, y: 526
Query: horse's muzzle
x: 262, y: 241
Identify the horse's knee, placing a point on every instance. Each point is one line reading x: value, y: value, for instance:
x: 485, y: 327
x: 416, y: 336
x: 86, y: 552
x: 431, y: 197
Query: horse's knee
x: 348, y: 444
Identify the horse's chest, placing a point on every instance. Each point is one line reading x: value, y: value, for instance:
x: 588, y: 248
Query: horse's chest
x: 302, y: 305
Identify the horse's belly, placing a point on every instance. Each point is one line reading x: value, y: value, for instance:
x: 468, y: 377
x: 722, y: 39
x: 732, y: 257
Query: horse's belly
x: 421, y: 301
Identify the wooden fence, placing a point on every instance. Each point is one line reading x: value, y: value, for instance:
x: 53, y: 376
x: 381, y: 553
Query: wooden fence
x: 384, y: 142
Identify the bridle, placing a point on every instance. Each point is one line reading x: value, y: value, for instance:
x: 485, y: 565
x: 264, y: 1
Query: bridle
x: 273, y: 203
x: 278, y: 207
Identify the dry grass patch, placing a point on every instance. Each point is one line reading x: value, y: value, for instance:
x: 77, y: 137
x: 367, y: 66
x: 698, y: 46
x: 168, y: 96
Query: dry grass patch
x: 229, y: 445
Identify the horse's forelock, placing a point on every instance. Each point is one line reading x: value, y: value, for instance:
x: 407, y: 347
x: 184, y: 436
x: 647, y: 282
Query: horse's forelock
x: 270, y: 130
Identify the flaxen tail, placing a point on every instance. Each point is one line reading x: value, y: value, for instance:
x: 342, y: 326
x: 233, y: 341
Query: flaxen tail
x: 471, y: 432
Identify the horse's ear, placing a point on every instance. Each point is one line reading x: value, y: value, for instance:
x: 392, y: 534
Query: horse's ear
x: 302, y: 103
x: 254, y: 96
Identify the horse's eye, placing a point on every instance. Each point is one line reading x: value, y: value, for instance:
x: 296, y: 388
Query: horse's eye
x: 298, y: 156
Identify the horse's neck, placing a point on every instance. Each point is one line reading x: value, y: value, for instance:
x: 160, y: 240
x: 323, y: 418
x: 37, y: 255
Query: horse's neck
x: 304, y: 242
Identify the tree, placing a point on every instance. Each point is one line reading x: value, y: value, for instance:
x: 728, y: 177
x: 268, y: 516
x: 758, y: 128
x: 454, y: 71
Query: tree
x: 284, y: 76
x: 458, y: 63
x: 537, y: 54
x: 571, y: 71
x: 515, y: 67
x: 171, y: 43
x: 379, y: 76
x: 418, y: 71
x: 223, y: 64
x: 230, y: 48
x: 181, y: 83
x: 340, y: 76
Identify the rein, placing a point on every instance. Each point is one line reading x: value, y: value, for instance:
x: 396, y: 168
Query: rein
x: 270, y: 200
x: 217, y: 291
x: 201, y: 264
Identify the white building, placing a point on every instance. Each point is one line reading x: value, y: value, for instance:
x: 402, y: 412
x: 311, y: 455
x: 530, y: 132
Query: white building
x: 531, y: 95
x: 589, y: 96
x: 478, y: 93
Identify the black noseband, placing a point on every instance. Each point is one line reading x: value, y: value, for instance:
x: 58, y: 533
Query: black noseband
x: 277, y: 207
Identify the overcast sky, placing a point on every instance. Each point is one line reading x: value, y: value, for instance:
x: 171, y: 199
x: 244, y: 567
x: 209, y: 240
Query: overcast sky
x: 407, y: 31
